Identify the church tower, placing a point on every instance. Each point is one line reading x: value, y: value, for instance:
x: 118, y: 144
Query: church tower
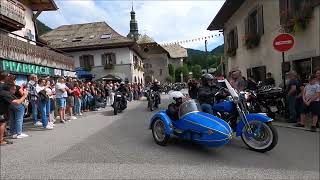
x: 134, y: 32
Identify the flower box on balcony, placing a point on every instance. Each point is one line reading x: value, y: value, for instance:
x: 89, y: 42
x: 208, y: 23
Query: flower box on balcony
x: 108, y: 66
x: 252, y: 40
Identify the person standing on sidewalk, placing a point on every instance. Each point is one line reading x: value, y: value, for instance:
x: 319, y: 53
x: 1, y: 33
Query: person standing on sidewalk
x: 61, y: 96
x: 44, y: 101
x: 293, y: 89
x: 31, y: 87
x: 77, y: 99
x: 70, y: 98
x: 311, y: 102
x: 7, y: 99
x: 16, y: 112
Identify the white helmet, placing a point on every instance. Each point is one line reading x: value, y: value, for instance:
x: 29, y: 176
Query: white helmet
x: 176, y: 94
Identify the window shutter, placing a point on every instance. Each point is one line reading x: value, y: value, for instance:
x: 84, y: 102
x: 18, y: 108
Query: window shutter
x: 103, y: 59
x: 113, y: 58
x: 283, y: 4
x: 246, y: 24
x: 235, y: 37
x: 260, y: 21
x: 91, y: 60
x: 228, y: 41
x: 81, y: 61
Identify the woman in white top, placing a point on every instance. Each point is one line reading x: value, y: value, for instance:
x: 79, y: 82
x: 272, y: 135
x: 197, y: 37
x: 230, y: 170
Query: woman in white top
x: 44, y: 103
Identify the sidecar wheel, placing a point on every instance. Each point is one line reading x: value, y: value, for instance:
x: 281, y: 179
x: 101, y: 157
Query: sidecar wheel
x: 263, y: 142
x: 158, y: 132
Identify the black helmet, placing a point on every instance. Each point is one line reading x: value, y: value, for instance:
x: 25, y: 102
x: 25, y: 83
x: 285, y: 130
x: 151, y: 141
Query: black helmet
x: 206, y: 78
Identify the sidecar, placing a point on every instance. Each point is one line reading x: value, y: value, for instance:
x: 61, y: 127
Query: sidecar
x: 194, y: 125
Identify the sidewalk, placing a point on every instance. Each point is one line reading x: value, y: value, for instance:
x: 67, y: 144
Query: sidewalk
x: 281, y: 122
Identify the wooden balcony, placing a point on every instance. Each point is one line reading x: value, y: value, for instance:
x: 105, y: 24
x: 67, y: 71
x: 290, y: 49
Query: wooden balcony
x: 12, y: 15
x: 14, y: 49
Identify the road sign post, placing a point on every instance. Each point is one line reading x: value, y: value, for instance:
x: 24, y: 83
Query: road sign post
x: 283, y: 43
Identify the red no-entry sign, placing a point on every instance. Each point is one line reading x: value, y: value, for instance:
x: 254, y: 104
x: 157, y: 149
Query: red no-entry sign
x: 283, y: 42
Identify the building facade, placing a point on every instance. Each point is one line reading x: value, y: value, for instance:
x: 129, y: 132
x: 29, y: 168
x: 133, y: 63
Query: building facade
x: 250, y: 27
x: 159, y: 57
x: 99, y: 49
x: 19, y: 50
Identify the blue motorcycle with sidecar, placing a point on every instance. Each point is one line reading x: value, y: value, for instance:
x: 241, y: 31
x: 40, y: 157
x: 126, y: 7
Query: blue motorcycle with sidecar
x: 210, y: 130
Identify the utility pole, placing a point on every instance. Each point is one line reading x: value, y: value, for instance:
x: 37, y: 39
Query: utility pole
x: 207, y: 64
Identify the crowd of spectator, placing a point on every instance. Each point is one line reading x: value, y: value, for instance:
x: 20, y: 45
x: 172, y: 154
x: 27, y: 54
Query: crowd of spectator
x: 49, y: 100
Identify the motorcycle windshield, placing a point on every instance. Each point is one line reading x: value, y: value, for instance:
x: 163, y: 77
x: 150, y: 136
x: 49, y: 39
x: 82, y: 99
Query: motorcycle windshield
x: 232, y: 91
x: 188, y: 107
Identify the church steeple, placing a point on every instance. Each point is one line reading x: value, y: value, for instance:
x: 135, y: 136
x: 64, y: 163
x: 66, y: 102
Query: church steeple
x: 134, y: 32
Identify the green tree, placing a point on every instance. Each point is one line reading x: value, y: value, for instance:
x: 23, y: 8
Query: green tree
x: 171, y: 70
x: 184, y: 70
x: 196, y: 71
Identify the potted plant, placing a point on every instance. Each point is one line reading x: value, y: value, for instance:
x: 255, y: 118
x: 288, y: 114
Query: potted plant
x: 298, y: 21
x: 108, y: 66
x: 252, y: 40
x: 87, y: 68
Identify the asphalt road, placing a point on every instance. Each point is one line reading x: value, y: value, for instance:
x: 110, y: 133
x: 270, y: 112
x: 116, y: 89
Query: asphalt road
x: 103, y: 146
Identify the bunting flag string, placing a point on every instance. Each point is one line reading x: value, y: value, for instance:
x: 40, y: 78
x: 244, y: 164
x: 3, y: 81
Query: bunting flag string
x: 185, y: 41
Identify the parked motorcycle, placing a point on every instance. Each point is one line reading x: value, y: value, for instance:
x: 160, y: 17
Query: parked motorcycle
x: 255, y: 129
x: 272, y: 101
x: 120, y: 103
x: 153, y: 100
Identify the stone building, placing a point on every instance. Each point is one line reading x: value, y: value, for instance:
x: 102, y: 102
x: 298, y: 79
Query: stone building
x: 159, y: 57
x: 98, y: 48
x: 250, y: 27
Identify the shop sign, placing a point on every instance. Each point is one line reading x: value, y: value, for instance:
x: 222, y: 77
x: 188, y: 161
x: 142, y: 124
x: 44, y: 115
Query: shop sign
x: 18, y: 67
x: 69, y: 74
x: 57, y: 72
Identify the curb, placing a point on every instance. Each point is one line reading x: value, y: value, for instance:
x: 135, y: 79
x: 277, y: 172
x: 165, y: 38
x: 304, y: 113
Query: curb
x: 284, y: 125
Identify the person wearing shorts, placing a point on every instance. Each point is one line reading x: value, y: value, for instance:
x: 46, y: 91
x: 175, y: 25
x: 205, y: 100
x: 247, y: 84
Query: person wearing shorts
x: 311, y: 103
x: 70, y: 98
x: 61, y: 95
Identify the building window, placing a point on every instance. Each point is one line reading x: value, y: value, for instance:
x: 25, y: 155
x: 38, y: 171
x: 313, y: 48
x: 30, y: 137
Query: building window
x: 160, y: 73
x: 296, y: 13
x: 232, y: 42
x: 254, y: 27
x: 108, y: 58
x: 106, y: 36
x: 257, y: 73
x: 86, y: 61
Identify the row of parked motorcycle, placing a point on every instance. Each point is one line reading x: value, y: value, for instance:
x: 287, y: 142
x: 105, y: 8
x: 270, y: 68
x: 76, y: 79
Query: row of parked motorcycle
x: 267, y: 99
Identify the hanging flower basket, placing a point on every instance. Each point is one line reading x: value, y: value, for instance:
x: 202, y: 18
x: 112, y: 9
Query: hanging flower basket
x: 252, y: 40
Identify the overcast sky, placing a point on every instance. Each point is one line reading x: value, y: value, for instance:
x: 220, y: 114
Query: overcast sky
x: 165, y: 21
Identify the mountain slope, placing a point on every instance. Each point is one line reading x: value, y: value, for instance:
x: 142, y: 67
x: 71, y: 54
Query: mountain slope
x: 42, y: 28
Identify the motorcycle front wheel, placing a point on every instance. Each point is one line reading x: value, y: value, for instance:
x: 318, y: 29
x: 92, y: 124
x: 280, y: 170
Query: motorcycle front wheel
x: 262, y: 138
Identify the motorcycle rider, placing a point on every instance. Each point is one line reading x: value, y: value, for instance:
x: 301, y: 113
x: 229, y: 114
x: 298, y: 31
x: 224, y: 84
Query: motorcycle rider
x: 156, y: 88
x: 173, y: 108
x: 206, y: 93
x: 124, y: 91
